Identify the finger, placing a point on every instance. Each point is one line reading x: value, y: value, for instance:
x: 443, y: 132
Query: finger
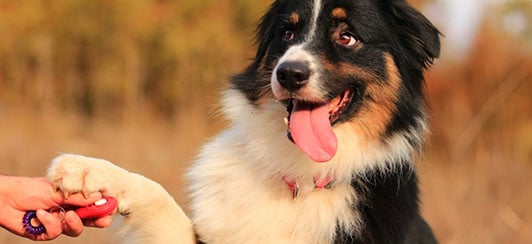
x: 99, y: 223
x: 79, y: 200
x: 72, y: 225
x: 52, y: 224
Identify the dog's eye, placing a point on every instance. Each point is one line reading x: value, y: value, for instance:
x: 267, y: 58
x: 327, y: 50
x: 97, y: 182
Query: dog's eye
x: 288, y: 35
x: 347, y: 40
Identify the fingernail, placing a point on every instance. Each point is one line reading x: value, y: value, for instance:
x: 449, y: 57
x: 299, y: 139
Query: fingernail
x: 41, y: 213
x: 69, y: 215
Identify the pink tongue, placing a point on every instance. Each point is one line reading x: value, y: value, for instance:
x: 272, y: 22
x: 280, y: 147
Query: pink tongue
x: 312, y: 132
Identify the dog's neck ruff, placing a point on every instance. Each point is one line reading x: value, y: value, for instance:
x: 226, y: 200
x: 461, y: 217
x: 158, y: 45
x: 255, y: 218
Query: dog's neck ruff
x: 320, y: 183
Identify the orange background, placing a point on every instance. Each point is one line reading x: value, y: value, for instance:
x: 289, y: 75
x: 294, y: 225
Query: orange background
x: 137, y: 82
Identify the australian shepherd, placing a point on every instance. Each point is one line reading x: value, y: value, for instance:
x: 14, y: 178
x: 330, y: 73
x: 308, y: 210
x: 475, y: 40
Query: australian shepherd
x: 325, y: 124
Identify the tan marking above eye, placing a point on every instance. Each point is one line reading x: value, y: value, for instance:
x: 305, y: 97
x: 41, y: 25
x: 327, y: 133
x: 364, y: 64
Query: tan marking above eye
x: 339, y: 14
x: 294, y: 18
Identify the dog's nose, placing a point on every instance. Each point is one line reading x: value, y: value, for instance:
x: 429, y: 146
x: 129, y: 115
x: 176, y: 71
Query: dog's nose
x: 293, y: 75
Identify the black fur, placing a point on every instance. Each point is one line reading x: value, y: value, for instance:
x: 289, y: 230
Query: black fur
x: 389, y: 209
x: 389, y: 199
x: 385, y: 26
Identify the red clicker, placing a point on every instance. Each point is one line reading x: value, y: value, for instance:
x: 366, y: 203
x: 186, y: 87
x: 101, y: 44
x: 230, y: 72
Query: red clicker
x: 100, y: 208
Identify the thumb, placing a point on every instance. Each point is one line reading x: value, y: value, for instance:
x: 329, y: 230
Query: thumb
x: 51, y: 222
x: 79, y: 200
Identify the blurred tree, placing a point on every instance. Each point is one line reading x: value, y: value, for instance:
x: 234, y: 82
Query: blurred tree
x: 515, y: 17
x: 117, y: 57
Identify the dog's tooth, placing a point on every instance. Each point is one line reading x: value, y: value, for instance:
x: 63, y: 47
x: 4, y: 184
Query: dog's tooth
x: 285, y: 121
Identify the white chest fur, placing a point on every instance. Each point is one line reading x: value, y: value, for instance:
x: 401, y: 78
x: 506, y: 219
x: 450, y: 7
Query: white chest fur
x: 236, y: 186
x: 237, y: 200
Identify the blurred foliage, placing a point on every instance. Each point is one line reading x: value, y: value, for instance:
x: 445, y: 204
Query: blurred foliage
x: 481, y: 102
x: 515, y: 17
x: 114, y: 57
x: 130, y: 59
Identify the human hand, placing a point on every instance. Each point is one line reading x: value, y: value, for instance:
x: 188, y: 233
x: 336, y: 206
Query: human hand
x: 20, y: 194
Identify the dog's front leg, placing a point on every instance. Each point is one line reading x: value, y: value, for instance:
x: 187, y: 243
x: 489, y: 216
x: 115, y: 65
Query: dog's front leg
x: 150, y: 214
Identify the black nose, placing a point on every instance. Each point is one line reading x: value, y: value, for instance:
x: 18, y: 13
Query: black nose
x: 293, y: 75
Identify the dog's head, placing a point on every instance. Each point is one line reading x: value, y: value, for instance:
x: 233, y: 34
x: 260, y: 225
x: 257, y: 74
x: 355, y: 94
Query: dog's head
x: 342, y: 61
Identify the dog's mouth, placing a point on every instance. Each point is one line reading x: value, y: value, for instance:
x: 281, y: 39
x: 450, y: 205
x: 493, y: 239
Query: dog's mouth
x: 309, y: 125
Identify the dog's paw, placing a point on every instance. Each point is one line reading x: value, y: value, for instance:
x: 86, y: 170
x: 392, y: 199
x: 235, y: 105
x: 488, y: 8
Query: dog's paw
x: 141, y: 199
x: 74, y: 173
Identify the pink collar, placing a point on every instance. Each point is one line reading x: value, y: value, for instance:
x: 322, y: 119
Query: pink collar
x: 319, y: 183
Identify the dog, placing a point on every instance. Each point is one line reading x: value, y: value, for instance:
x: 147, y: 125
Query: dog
x: 325, y: 125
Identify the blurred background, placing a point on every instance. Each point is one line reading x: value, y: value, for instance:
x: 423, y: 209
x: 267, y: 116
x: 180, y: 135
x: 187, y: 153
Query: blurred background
x: 137, y: 83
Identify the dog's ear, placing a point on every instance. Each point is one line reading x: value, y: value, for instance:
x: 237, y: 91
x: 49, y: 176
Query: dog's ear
x: 416, y: 32
x: 266, y: 29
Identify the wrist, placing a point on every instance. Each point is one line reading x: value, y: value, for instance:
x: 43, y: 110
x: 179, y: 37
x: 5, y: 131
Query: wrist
x: 5, y: 185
